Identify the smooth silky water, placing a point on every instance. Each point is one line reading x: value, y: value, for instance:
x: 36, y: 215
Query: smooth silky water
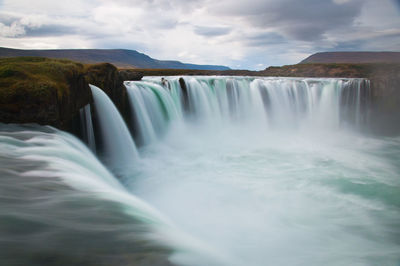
x: 230, y: 171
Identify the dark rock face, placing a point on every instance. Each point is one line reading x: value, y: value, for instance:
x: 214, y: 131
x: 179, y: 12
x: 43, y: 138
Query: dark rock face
x: 43, y: 91
x: 385, y: 105
x: 78, y: 97
x: 51, y: 92
x: 106, y: 77
x: 111, y: 80
x: 129, y: 74
x: 185, y: 96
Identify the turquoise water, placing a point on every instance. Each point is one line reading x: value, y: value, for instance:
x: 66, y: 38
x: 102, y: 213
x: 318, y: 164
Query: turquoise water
x: 252, y: 171
x: 278, y: 198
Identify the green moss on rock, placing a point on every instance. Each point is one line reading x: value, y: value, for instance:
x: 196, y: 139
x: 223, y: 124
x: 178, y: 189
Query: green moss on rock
x: 41, y: 90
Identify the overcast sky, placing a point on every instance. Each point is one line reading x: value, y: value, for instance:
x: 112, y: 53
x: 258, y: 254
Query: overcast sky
x: 248, y: 34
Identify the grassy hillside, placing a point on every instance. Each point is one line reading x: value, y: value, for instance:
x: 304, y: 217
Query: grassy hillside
x: 35, y: 76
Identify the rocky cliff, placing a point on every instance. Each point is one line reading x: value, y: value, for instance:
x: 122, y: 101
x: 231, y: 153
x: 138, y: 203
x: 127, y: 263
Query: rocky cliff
x: 39, y: 90
x: 51, y: 92
x: 385, y: 112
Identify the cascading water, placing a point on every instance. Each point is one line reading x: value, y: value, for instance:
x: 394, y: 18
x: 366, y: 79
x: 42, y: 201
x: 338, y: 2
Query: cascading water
x: 250, y: 171
x: 153, y: 108
x: 275, y: 103
x: 87, y: 127
x: 119, y: 148
x: 274, y: 171
x: 60, y: 206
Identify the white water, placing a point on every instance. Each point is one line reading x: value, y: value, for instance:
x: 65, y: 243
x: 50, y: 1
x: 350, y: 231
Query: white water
x: 60, y: 206
x: 152, y: 107
x: 269, y: 103
x: 274, y: 172
x: 264, y: 171
x: 119, y: 148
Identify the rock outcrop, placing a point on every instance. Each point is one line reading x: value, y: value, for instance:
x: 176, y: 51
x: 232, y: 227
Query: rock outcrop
x: 106, y: 77
x: 51, y: 92
x: 385, y: 102
x: 40, y: 90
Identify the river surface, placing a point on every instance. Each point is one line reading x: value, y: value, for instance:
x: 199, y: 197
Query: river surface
x: 229, y: 171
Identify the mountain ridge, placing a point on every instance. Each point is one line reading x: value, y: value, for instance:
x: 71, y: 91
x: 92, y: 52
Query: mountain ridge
x: 122, y: 58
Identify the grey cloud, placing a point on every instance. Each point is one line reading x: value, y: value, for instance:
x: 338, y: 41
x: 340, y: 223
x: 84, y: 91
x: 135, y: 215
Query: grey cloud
x: 383, y: 41
x: 397, y: 2
x: 211, y: 31
x: 355, y: 45
x: 304, y: 20
x: 261, y: 31
x: 165, y: 5
x: 16, y: 27
x: 264, y: 39
x: 7, y: 19
x: 49, y: 30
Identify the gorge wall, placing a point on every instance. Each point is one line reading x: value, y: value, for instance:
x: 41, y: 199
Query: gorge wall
x: 51, y: 91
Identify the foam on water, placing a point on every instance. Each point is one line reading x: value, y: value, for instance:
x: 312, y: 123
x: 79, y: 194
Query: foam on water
x: 232, y: 171
x: 276, y: 171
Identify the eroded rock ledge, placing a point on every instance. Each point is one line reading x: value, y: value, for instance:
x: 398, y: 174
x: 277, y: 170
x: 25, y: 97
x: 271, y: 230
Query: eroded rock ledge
x: 51, y: 92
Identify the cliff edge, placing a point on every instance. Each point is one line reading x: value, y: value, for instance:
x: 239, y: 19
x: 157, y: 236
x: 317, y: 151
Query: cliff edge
x: 52, y: 91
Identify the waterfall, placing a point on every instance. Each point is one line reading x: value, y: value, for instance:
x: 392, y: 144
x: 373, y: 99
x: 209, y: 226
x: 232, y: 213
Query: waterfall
x: 228, y: 170
x: 268, y: 103
x: 87, y: 128
x: 55, y: 191
x: 153, y: 107
x: 119, y: 148
x: 55, y: 188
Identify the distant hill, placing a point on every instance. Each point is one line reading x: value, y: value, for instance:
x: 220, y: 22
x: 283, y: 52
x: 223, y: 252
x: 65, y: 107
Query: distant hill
x: 119, y: 57
x: 353, y: 57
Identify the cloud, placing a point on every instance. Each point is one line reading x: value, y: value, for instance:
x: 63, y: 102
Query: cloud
x: 50, y: 30
x: 397, y: 2
x: 245, y: 34
x: 305, y: 20
x: 12, y: 26
x: 211, y: 31
x: 13, y: 30
x: 265, y: 39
